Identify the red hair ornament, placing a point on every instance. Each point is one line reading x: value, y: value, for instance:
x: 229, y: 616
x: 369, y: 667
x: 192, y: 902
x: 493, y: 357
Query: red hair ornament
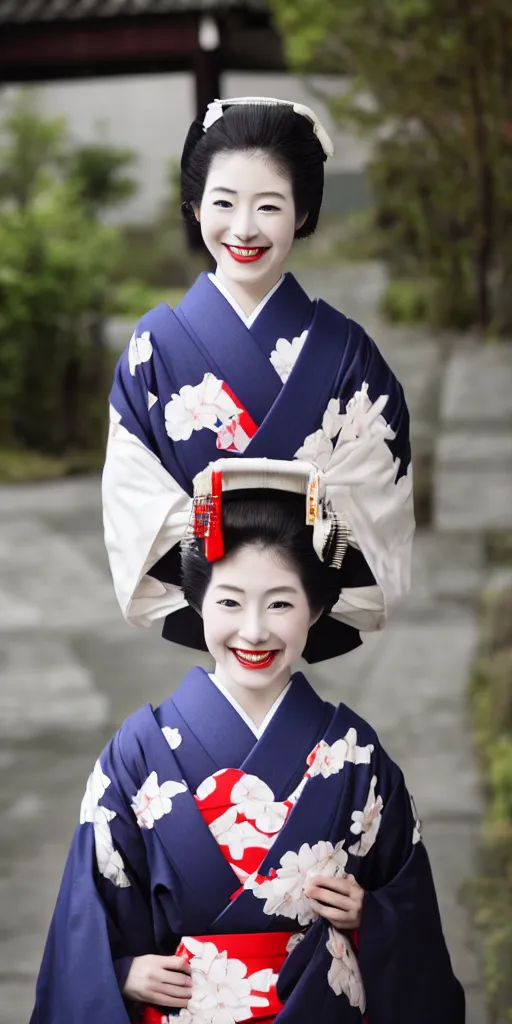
x: 208, y: 519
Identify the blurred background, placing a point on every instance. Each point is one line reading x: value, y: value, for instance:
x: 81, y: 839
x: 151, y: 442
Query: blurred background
x: 415, y: 242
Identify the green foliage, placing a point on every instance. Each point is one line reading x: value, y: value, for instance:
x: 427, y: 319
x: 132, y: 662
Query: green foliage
x: 489, y: 895
x: 407, y: 300
x: 98, y: 173
x: 56, y: 263
x: 54, y: 275
x: 429, y: 83
x: 489, y: 898
x: 132, y: 297
x: 31, y: 149
x: 158, y: 254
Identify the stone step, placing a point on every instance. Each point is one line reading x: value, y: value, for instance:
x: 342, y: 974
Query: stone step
x: 47, y: 583
x: 478, y: 387
x: 43, y: 687
x: 472, y: 481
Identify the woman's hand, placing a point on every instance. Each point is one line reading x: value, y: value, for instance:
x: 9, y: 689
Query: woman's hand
x: 339, y: 900
x: 163, y: 980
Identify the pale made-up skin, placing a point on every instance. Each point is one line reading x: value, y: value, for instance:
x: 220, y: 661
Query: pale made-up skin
x: 248, y: 203
x: 255, y: 600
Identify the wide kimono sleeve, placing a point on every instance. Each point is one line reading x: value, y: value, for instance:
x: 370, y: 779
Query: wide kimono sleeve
x: 146, y: 509
x: 103, y: 914
x: 404, y: 961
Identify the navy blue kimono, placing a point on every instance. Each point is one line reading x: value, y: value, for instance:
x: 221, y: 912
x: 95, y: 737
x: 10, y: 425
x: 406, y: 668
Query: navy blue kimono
x: 145, y: 870
x: 302, y: 381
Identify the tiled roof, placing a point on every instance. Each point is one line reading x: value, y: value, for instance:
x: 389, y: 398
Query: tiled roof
x: 26, y: 11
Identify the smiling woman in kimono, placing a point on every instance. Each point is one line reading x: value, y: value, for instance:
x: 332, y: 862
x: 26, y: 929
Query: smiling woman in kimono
x: 247, y: 851
x: 248, y: 363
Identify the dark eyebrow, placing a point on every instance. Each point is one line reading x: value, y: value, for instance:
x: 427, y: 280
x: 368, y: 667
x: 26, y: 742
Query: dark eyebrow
x: 259, y: 195
x: 239, y: 590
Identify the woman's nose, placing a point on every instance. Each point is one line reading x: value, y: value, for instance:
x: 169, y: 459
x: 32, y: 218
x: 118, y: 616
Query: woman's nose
x: 253, y: 630
x: 243, y: 225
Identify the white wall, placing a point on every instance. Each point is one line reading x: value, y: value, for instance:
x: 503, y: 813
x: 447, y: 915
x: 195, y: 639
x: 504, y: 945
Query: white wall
x: 152, y: 113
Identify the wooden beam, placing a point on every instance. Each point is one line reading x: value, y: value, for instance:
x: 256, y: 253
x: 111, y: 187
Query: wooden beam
x: 130, y: 44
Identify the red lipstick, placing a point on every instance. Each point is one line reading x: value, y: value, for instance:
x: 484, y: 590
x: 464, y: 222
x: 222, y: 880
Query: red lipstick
x: 246, y: 253
x: 254, y: 659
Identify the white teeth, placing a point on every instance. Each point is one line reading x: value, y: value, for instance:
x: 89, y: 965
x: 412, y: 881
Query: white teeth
x: 244, y: 252
x: 246, y: 656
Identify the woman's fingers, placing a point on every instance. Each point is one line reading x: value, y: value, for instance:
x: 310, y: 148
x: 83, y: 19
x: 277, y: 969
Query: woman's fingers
x: 165, y: 980
x: 173, y: 977
x: 343, y: 886
x: 330, y: 898
x: 339, y: 918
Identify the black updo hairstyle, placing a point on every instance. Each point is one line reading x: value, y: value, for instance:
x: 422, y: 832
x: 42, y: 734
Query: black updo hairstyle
x: 288, y: 139
x: 275, y: 522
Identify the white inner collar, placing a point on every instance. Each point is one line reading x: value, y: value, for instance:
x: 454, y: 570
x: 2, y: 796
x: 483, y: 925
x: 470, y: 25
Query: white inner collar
x: 257, y: 730
x: 247, y: 320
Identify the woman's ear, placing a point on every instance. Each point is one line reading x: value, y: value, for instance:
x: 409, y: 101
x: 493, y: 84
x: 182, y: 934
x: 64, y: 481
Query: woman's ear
x: 196, y: 211
x: 300, y: 221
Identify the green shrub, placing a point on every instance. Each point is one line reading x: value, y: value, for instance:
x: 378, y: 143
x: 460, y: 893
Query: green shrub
x: 132, y: 298
x: 489, y: 898
x: 54, y: 287
x: 56, y: 273
x: 407, y: 300
x: 489, y: 894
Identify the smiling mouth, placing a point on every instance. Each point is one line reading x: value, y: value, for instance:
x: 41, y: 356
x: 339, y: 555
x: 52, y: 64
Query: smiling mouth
x: 254, y: 659
x: 243, y: 254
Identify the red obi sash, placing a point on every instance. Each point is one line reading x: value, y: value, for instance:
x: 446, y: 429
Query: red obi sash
x: 235, y: 971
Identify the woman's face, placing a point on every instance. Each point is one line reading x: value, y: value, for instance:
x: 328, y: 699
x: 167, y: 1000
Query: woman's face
x: 256, y: 619
x: 248, y: 218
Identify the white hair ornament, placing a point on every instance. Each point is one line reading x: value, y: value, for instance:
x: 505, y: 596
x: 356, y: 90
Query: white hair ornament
x: 215, y: 110
x: 331, y: 532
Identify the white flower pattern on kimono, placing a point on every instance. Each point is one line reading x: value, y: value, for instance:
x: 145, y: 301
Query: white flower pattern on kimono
x: 109, y: 860
x: 238, y: 836
x: 344, y: 975
x: 152, y: 801
x: 255, y: 800
x: 330, y: 759
x: 366, y: 823
x: 285, y: 355
x: 94, y: 790
x: 332, y: 420
x: 221, y: 991
x: 362, y: 417
x: 297, y: 793
x: 173, y: 737
x: 140, y: 350
x: 416, y: 829
x: 206, y: 787
x: 232, y: 433
x: 317, y: 448
x: 198, y: 407
x: 294, y: 941
x: 284, y: 892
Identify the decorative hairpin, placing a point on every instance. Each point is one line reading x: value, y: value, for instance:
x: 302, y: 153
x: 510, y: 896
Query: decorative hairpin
x: 331, y: 534
x: 215, y: 110
x: 207, y: 518
x: 312, y: 498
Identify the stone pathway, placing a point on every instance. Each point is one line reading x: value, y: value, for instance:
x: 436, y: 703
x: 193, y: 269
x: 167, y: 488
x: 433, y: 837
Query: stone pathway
x: 71, y: 670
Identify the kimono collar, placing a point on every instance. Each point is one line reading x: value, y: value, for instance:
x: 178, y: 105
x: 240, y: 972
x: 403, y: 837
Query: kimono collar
x: 247, y: 320
x: 258, y: 730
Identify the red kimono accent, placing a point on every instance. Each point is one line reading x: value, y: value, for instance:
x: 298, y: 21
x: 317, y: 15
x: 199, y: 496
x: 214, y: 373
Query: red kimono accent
x: 242, y: 814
